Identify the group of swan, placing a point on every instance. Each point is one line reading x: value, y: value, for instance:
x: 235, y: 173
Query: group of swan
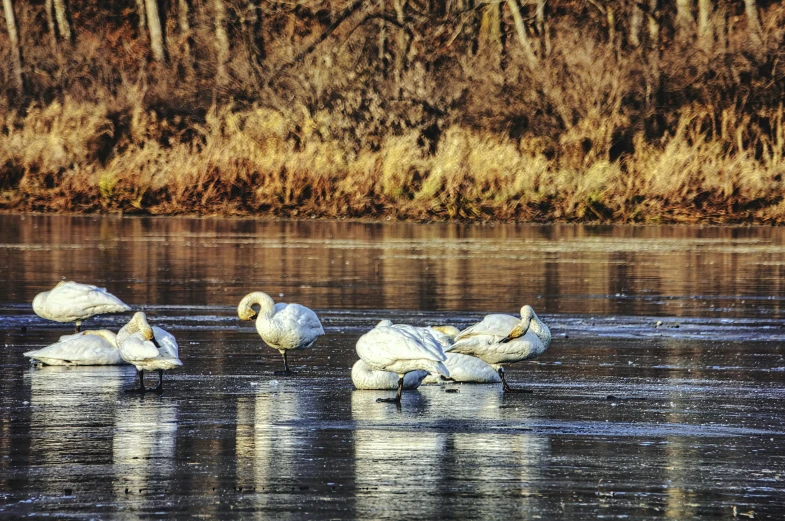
x: 412, y: 355
x: 137, y: 343
x: 391, y: 355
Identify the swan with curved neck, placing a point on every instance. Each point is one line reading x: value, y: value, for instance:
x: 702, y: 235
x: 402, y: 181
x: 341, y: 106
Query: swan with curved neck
x: 148, y: 349
x: 504, y: 339
x: 283, y: 327
x: 71, y: 301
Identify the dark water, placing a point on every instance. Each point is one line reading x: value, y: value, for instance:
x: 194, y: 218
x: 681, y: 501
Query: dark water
x: 685, y: 420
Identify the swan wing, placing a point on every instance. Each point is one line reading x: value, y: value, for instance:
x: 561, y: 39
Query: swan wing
x: 136, y: 348
x: 399, y: 342
x: 495, y: 325
x: 295, y: 317
x: 465, y: 368
x: 74, y: 301
x: 423, y: 337
x: 168, y: 343
x: 82, y: 349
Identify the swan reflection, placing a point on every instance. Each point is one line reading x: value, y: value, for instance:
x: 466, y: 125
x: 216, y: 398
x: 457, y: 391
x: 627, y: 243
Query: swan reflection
x: 390, y: 458
x: 72, y: 415
x: 472, y: 453
x: 272, y: 453
x: 144, y: 449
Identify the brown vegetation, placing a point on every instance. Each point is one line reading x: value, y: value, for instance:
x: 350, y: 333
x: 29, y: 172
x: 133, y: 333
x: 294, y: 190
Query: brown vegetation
x: 608, y: 110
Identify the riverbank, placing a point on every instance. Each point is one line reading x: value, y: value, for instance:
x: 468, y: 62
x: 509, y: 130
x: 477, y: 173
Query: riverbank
x: 83, y: 158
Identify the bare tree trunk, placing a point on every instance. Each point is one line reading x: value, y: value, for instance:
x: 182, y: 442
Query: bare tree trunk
x: 490, y: 33
x: 705, y: 30
x: 140, y: 11
x: 654, y: 25
x: 684, y: 20
x: 753, y: 22
x: 62, y: 20
x: 653, y: 54
x: 254, y: 32
x: 185, y: 34
x: 382, y: 35
x: 540, y: 16
x: 636, y: 20
x: 156, y: 35
x: 400, y: 52
x: 50, y: 21
x: 13, y: 36
x: 721, y: 29
x: 221, y: 43
x: 523, y: 38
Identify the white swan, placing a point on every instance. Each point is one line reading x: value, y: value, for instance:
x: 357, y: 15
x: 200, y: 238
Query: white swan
x: 74, y: 302
x: 95, y: 347
x: 401, y: 349
x: 466, y: 369
x: 504, y: 339
x: 364, y: 377
x: 282, y: 326
x: 148, y: 348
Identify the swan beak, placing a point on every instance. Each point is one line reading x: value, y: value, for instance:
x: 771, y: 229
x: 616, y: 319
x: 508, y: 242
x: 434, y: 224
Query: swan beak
x: 517, y: 331
x: 253, y: 317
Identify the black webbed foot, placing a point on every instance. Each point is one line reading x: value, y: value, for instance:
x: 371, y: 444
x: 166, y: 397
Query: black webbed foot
x: 388, y: 400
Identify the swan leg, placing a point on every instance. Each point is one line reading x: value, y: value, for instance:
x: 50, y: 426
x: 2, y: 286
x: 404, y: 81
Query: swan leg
x: 141, y: 388
x: 507, y: 388
x: 286, y: 371
x: 397, y: 398
x: 160, y: 388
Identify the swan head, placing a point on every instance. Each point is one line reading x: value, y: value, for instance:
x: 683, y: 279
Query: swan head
x: 527, y: 314
x: 140, y: 320
x: 137, y: 324
x: 265, y: 303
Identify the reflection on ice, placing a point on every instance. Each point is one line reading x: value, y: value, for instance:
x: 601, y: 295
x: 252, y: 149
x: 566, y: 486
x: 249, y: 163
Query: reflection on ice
x: 270, y: 451
x: 70, y: 412
x: 145, y: 442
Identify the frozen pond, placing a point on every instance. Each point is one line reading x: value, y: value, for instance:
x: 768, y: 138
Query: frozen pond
x: 628, y: 419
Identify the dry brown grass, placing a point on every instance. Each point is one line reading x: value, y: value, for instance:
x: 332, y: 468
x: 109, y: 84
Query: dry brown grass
x: 597, y: 131
x: 246, y: 162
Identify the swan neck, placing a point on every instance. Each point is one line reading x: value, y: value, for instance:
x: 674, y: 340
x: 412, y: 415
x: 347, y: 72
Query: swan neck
x: 263, y: 300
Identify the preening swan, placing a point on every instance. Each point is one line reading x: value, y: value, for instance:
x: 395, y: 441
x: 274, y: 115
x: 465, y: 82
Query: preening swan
x: 504, y: 339
x: 148, y: 348
x: 282, y: 326
x: 401, y: 349
x: 74, y: 302
x: 364, y: 377
x: 96, y: 347
x: 466, y: 369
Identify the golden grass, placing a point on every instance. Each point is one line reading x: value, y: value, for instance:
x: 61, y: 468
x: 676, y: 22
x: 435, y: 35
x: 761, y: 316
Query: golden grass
x: 254, y: 161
